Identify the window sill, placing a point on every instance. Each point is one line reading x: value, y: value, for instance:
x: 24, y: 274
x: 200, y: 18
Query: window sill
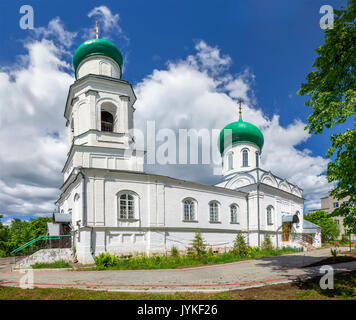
x: 190, y: 221
x: 128, y: 220
x: 214, y: 221
x: 234, y: 222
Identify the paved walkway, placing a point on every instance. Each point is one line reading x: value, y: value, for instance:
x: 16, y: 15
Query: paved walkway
x: 237, y: 275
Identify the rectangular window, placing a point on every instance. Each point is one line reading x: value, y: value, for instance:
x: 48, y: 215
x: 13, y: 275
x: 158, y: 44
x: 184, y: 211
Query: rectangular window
x: 214, y: 213
x: 189, y: 210
x: 245, y: 158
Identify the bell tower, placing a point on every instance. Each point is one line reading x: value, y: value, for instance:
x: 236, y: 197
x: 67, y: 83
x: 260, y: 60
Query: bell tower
x: 100, y: 111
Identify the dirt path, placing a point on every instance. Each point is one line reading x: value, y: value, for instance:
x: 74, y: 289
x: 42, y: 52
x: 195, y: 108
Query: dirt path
x: 237, y: 275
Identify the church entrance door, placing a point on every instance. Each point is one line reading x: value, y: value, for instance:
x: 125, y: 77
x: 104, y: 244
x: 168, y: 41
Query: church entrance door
x: 285, y: 231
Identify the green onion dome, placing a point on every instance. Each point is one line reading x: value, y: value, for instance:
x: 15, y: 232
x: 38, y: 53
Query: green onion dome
x: 240, y: 131
x: 96, y: 47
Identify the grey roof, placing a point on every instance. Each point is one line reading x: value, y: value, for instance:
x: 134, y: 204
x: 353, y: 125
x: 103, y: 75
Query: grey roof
x: 62, y: 217
x: 309, y: 227
x: 290, y: 218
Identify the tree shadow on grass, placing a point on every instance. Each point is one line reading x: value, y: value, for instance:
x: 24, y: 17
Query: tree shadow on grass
x: 309, y: 278
x: 344, y: 286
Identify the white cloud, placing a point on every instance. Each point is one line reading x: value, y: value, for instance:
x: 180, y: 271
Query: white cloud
x: 32, y: 130
x: 198, y: 92
x: 209, y: 58
x: 195, y: 92
x: 56, y: 30
x: 108, y: 24
x: 281, y: 156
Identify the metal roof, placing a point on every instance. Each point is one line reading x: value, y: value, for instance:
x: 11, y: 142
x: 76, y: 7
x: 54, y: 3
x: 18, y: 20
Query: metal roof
x: 309, y: 227
x: 62, y: 217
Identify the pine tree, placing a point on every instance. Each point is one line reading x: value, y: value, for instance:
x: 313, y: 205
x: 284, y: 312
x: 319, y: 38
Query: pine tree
x: 240, y: 247
x: 267, y: 243
x: 198, y: 244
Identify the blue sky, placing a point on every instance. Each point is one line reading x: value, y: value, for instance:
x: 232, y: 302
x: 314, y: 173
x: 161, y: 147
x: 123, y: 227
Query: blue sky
x: 274, y: 40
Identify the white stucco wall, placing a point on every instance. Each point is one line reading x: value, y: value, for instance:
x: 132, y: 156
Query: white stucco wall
x: 237, y: 164
x: 99, y: 65
x: 46, y: 256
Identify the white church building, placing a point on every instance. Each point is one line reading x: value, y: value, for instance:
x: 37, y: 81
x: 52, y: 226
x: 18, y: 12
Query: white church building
x: 112, y: 205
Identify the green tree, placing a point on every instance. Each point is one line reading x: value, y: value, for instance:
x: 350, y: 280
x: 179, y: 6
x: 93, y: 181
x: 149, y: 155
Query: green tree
x: 332, y: 91
x: 38, y: 227
x: 4, y: 233
x: 240, y: 247
x: 267, y: 243
x: 330, y: 230
x: 198, y: 244
x: 22, y: 231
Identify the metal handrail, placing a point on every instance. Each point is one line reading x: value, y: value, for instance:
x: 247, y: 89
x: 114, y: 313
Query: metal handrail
x: 56, y: 237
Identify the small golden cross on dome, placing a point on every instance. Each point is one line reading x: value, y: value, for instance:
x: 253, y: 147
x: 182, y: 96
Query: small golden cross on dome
x: 240, y: 101
x: 97, y: 30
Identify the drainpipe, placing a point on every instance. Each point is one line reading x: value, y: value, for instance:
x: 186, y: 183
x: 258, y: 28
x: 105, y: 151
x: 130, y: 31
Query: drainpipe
x: 91, y: 240
x: 248, y: 221
x: 84, y: 207
x: 84, y: 196
x: 258, y: 206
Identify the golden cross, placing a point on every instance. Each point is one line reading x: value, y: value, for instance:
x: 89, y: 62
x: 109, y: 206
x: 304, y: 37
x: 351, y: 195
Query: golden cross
x: 97, y: 30
x: 240, y: 110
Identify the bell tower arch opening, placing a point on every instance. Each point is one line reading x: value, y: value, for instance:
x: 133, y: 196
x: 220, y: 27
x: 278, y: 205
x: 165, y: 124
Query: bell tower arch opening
x: 107, y: 121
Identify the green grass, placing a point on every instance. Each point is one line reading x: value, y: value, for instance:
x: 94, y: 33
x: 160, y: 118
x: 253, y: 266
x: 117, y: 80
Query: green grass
x: 53, y: 265
x: 111, y: 262
x: 345, y: 289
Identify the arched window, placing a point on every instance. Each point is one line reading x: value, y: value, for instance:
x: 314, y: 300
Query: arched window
x: 269, y: 215
x: 230, y: 160
x: 257, y: 160
x: 189, y: 210
x: 214, y: 211
x: 127, y: 206
x: 107, y: 121
x: 245, y: 158
x: 233, y: 213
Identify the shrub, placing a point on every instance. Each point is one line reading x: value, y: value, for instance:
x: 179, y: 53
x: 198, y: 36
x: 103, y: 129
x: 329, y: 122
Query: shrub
x: 334, y: 253
x: 174, y: 252
x: 267, y: 243
x: 190, y: 252
x: 240, y: 247
x: 198, y: 245
x: 105, y: 260
x: 210, y: 252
